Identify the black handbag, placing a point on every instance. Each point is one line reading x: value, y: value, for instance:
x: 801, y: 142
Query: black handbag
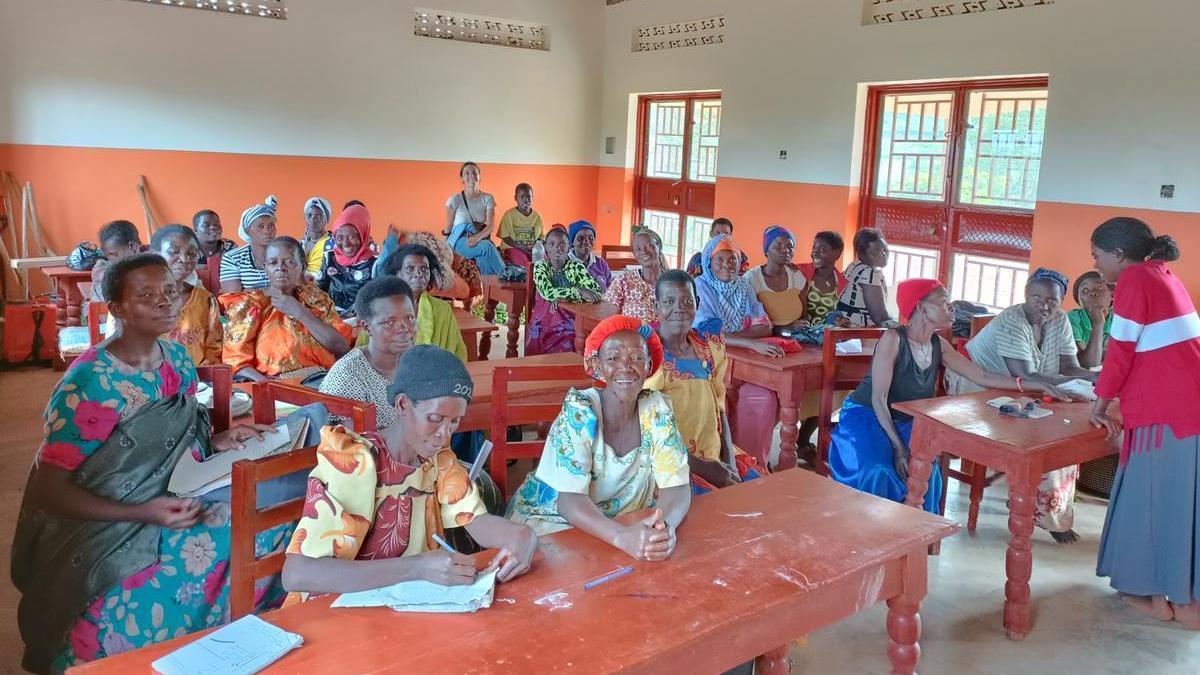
x: 467, y: 206
x: 84, y: 257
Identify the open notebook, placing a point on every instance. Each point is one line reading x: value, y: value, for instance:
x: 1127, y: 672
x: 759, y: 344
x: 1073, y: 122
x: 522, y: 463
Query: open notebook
x: 425, y: 596
x: 243, y: 647
x: 193, y: 478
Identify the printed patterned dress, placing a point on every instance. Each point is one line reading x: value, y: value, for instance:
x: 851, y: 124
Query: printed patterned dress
x: 551, y: 330
x: 187, y: 589
x: 633, y: 296
x: 577, y: 460
x: 273, y: 343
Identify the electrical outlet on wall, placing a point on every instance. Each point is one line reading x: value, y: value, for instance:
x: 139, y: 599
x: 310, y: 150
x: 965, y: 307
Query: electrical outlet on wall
x: 1167, y: 192
x: 783, y: 154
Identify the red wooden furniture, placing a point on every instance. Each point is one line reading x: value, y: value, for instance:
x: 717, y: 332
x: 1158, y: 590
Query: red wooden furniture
x: 706, y: 609
x: 473, y: 329
x: 220, y: 378
x: 210, y: 274
x: 505, y: 412
x: 789, y: 376
x: 247, y: 520
x: 479, y: 411
x: 979, y: 322
x: 839, y: 373
x: 516, y: 297
x: 97, y: 313
x: 1024, y: 449
x: 617, y: 256
x: 587, y: 317
x: 361, y: 415
x: 68, y: 301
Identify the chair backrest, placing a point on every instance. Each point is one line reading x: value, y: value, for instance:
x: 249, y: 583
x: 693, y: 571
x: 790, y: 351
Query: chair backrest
x: 506, y: 413
x: 839, y: 372
x: 979, y: 321
x: 220, y: 378
x: 247, y: 520
x: 617, y: 256
x: 360, y: 414
x: 210, y: 274
x: 97, y: 312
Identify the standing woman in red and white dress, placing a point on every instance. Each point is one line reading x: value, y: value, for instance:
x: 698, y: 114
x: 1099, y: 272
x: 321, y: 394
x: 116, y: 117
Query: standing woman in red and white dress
x: 1150, y: 549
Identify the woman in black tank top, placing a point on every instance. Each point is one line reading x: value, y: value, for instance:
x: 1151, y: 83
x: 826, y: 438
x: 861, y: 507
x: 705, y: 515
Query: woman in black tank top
x: 870, y: 445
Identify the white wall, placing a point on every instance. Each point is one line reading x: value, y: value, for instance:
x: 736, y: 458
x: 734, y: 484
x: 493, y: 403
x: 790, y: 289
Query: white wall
x: 1123, y: 92
x: 340, y: 78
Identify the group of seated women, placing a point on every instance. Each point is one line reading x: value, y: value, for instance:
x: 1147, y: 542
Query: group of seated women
x: 106, y: 560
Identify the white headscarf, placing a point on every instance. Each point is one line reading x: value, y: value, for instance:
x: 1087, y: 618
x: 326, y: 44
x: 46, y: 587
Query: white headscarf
x: 253, y: 213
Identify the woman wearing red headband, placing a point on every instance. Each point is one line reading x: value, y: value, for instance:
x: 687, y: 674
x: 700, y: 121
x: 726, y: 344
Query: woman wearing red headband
x: 611, y: 449
x: 870, y: 446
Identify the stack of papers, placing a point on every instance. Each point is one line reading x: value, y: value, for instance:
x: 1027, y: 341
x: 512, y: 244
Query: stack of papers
x: 193, y: 478
x: 425, y: 596
x: 1081, y: 388
x: 846, y: 347
x: 240, y: 404
x: 245, y: 646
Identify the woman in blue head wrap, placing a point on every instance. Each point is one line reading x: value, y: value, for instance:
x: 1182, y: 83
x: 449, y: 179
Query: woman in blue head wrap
x: 727, y: 302
x: 581, y: 237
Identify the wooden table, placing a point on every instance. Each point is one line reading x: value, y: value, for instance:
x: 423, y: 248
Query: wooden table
x: 1024, y: 449
x: 587, y: 315
x: 753, y: 571
x: 789, y: 376
x: 479, y: 412
x: 473, y: 329
x: 515, y: 296
x: 68, y: 299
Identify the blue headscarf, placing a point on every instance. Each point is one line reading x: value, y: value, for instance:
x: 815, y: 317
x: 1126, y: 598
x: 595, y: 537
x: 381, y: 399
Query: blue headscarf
x: 1057, y: 278
x: 775, y: 232
x: 732, y: 302
x: 253, y: 213
x: 577, y: 227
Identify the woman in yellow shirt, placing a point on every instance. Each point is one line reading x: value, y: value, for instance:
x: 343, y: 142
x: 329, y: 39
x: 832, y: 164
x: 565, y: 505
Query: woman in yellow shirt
x: 199, y: 329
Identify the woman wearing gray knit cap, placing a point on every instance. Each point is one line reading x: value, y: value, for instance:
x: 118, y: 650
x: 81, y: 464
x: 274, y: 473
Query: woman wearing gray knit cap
x: 375, y: 504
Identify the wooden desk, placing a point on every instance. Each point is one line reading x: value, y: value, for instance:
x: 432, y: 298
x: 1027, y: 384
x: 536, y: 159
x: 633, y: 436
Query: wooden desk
x: 479, y: 412
x: 587, y: 316
x: 789, y: 376
x: 68, y: 299
x: 473, y: 329
x: 515, y: 297
x: 1023, y: 449
x: 736, y: 588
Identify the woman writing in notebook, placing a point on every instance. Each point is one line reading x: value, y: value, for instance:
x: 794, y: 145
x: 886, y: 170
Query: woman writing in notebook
x: 375, y: 504
x: 107, y: 561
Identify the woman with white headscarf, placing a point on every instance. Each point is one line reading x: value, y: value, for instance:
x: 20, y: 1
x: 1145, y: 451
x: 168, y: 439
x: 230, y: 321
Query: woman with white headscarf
x: 244, y: 268
x: 317, y: 241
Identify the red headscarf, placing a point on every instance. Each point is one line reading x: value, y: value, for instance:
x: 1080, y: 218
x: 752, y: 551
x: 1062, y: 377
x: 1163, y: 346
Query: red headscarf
x: 910, y: 293
x: 357, y: 217
x: 616, y: 324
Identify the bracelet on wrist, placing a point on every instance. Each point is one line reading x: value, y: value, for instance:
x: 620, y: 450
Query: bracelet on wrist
x: 1020, y: 386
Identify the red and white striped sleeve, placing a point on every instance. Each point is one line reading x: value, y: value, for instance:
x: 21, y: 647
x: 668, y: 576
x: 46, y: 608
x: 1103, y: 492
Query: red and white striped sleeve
x: 1130, y: 315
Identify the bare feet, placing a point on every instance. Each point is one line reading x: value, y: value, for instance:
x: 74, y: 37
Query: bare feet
x: 1068, y: 537
x: 1188, y: 615
x: 1156, y: 607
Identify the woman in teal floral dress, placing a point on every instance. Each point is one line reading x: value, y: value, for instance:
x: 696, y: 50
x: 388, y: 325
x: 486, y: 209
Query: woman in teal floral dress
x: 107, y: 561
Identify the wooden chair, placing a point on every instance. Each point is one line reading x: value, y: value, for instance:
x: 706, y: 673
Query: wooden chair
x: 979, y: 321
x: 210, y: 274
x: 617, y: 256
x: 506, y: 413
x: 266, y: 394
x: 97, y: 312
x: 839, y: 373
x: 248, y: 520
x: 220, y: 378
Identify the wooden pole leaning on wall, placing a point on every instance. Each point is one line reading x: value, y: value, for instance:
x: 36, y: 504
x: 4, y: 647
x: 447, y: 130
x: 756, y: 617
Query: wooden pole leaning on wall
x: 36, y: 224
x: 14, y: 288
x: 151, y: 221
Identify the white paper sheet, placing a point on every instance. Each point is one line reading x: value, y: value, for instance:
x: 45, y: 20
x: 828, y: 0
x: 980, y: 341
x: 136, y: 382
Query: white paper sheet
x: 243, y: 647
x: 425, y: 596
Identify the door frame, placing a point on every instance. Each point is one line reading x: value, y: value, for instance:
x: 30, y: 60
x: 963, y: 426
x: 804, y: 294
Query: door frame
x: 639, y: 163
x: 871, y: 140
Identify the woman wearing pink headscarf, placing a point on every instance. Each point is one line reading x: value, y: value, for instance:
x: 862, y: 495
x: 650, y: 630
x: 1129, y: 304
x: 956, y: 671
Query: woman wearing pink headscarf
x: 347, y: 267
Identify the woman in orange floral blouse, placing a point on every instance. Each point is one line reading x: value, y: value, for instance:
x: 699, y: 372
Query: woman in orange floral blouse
x: 290, y: 329
x: 199, y: 329
x: 374, y: 505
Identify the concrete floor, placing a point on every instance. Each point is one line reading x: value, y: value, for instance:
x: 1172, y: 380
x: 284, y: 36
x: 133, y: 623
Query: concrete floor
x: 1081, y: 626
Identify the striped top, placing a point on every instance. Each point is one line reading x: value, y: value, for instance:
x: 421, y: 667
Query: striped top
x: 238, y: 265
x: 853, y: 301
x: 1010, y: 335
x: 1153, y: 351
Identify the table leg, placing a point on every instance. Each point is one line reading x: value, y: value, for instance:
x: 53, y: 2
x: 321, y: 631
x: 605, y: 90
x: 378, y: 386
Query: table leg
x: 920, y: 464
x: 485, y: 339
x: 904, y: 618
x: 789, y: 434
x: 774, y: 662
x: 1019, y: 561
x: 514, y: 328
x: 472, y: 342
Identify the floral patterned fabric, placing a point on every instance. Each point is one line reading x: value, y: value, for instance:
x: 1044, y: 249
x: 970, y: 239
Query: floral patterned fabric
x: 633, y: 296
x: 696, y: 388
x: 199, y: 329
x: 187, y: 588
x: 265, y: 339
x: 364, y: 505
x: 577, y: 460
x: 551, y: 330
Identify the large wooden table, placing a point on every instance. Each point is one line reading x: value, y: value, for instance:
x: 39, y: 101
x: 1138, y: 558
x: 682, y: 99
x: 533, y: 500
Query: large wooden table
x: 789, y: 376
x: 68, y: 298
x: 515, y: 296
x: 587, y: 316
x: 1022, y: 448
x: 479, y: 412
x: 473, y: 329
x: 753, y: 571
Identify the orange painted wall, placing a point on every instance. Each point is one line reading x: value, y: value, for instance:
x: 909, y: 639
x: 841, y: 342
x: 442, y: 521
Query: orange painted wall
x: 1061, y: 235
x: 803, y: 208
x: 614, y: 205
x: 79, y: 189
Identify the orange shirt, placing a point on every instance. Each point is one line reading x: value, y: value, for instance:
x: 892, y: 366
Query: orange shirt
x: 269, y: 341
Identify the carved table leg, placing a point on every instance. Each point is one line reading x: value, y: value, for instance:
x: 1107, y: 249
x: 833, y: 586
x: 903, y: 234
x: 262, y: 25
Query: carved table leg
x: 514, y: 327
x: 774, y: 662
x: 789, y: 434
x: 920, y: 464
x: 904, y: 619
x: 1019, y: 561
x: 485, y: 339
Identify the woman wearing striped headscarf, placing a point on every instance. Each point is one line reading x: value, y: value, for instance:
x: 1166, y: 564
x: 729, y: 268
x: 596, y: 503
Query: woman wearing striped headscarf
x: 244, y: 268
x: 317, y: 241
x: 1033, y: 342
